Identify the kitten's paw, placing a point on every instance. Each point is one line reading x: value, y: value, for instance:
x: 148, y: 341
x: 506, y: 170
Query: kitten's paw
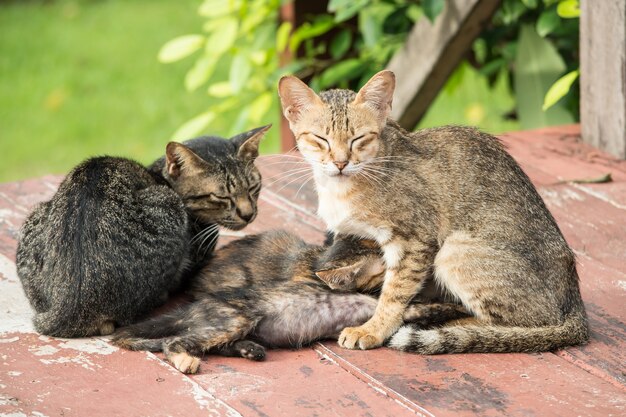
x: 184, y: 362
x: 359, y: 338
x: 251, y: 350
x: 106, y: 328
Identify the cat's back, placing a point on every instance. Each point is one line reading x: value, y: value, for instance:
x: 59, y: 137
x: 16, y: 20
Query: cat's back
x: 255, y: 262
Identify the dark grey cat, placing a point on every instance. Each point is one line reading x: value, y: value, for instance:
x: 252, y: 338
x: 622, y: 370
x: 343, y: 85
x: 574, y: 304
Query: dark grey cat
x: 117, y: 237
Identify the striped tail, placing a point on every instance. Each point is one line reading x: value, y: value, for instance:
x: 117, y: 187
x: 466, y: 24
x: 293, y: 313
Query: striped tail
x: 488, y: 338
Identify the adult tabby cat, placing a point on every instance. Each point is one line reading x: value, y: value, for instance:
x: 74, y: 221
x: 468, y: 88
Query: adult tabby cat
x: 117, y: 237
x: 264, y: 289
x: 450, y: 201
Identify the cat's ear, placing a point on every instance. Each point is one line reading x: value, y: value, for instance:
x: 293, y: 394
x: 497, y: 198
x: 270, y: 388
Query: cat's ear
x: 179, y: 157
x: 377, y: 93
x: 296, y: 97
x: 248, y: 143
x: 341, y: 278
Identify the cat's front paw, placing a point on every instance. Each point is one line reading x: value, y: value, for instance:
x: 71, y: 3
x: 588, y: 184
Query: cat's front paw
x: 185, y: 363
x: 359, y: 338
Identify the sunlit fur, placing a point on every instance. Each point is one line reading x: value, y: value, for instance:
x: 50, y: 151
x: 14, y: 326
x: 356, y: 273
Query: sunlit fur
x: 448, y: 201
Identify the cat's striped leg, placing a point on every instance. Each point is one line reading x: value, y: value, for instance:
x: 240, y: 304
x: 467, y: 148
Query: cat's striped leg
x: 408, y: 265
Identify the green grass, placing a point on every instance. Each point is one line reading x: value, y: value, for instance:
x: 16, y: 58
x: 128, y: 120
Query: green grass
x: 81, y: 78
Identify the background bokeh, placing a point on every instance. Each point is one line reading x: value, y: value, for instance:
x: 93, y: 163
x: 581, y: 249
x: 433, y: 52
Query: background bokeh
x: 80, y: 78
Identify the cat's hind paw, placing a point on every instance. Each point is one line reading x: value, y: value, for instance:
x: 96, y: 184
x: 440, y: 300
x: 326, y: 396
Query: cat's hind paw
x: 359, y: 338
x: 251, y: 350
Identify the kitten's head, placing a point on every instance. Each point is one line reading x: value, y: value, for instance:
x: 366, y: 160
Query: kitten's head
x: 215, y: 177
x: 338, y: 131
x: 349, y: 263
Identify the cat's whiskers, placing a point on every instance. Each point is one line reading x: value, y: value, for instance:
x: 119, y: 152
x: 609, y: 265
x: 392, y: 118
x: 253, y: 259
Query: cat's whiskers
x: 288, y: 174
x: 303, y: 184
x: 203, y: 232
x: 296, y: 179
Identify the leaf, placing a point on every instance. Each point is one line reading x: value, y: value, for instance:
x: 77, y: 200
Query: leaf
x: 559, y: 89
x: 547, y: 22
x: 432, y: 8
x: 260, y: 106
x: 340, y: 43
x: 200, y: 73
x: 370, y: 29
x: 310, y: 30
x: 215, y: 8
x: 345, y: 70
x: 531, y: 4
x: 220, y: 90
x: 598, y: 180
x: 240, y: 70
x: 223, y: 37
x: 568, y: 9
x: 282, y: 36
x: 194, y: 126
x: 180, y: 47
x: 537, y: 66
x: 345, y: 10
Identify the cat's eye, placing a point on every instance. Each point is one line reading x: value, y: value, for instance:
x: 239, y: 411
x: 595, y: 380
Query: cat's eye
x: 362, y: 140
x: 322, y: 142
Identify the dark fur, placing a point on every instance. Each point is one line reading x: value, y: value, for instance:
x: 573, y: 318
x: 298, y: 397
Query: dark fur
x: 116, y: 237
x: 264, y: 288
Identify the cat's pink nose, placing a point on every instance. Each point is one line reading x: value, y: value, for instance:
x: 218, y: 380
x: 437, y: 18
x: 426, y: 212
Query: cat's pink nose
x: 340, y: 164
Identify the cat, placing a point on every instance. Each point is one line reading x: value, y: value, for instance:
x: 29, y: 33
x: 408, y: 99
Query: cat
x: 117, y: 237
x: 446, y: 201
x: 268, y: 290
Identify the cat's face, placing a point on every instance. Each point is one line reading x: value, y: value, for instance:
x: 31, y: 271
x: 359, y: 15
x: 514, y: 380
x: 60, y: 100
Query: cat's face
x: 348, y: 262
x: 217, y: 178
x: 338, y: 132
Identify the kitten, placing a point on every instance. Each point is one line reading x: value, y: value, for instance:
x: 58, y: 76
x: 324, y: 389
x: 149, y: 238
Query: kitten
x: 116, y: 237
x: 449, y: 201
x: 262, y: 290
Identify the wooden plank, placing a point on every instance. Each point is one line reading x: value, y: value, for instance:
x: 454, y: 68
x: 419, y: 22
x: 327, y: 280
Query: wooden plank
x: 430, y: 54
x: 484, y: 384
x: 295, y: 383
x: 603, y: 74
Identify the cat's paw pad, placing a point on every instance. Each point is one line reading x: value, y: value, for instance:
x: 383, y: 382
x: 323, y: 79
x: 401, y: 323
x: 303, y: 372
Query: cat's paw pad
x: 359, y: 338
x: 185, y: 363
x: 252, y: 351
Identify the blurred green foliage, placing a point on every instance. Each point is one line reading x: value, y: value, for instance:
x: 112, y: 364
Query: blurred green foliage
x: 526, y: 48
x: 81, y: 78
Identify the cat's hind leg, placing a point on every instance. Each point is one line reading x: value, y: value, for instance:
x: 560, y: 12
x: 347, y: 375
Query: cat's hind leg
x: 243, y: 348
x: 434, y: 314
x: 211, y: 328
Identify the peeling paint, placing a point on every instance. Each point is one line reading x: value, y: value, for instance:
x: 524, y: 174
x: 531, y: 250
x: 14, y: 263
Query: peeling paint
x: 15, y: 311
x: 14, y: 373
x: 621, y: 284
x: 43, y: 350
x: 78, y: 360
x: 10, y: 340
x: 91, y: 345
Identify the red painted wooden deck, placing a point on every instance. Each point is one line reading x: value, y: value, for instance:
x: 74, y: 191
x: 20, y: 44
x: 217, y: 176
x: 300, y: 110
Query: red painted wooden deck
x: 41, y: 376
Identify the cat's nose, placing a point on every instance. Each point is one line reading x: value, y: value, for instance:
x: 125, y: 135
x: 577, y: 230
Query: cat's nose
x: 340, y: 164
x: 245, y: 216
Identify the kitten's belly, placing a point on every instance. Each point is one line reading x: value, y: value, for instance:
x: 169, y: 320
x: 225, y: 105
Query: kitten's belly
x: 341, y: 217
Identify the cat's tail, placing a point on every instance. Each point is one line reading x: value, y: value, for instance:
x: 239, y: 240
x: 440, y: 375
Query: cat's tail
x: 151, y: 333
x: 488, y: 338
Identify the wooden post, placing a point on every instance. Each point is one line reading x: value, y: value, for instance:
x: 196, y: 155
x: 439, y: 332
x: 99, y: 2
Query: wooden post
x: 430, y: 54
x: 603, y: 74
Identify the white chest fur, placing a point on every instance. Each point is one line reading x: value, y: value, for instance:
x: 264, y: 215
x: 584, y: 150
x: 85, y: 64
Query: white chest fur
x: 342, y: 216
